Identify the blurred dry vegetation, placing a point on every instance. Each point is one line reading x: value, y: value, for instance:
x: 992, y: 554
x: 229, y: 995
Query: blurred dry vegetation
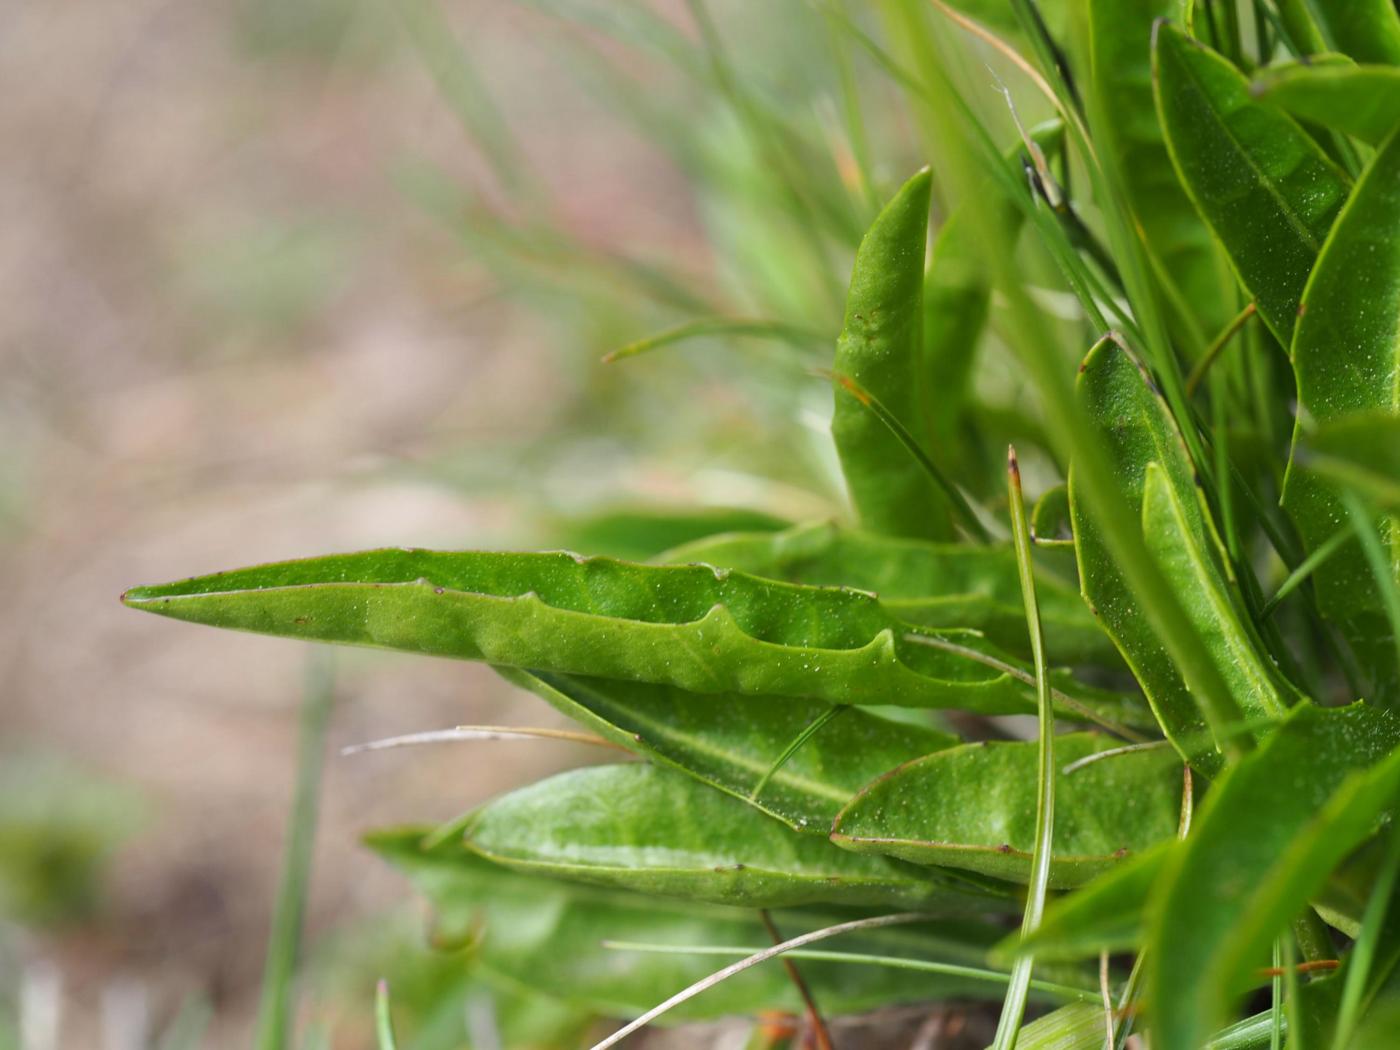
x: 268, y: 287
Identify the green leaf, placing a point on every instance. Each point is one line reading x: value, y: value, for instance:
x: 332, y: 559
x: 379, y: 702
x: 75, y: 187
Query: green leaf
x: 881, y: 347
x: 1363, y: 101
x: 732, y: 742
x: 548, y: 935
x: 1360, y: 450
x: 956, y: 299
x: 933, y: 584
x: 1258, y: 179
x: 1121, y: 402
x: 1050, y: 520
x: 1346, y: 354
x: 654, y: 830
x: 973, y: 807
x: 701, y: 629
x: 1367, y: 30
x: 1106, y: 914
x: 1078, y: 1026
x: 1264, y: 842
x: 1179, y: 243
x: 1173, y: 521
x: 956, y: 304
x: 639, y: 533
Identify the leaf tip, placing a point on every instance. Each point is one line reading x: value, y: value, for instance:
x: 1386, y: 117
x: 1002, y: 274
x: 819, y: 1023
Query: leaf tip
x: 137, y: 597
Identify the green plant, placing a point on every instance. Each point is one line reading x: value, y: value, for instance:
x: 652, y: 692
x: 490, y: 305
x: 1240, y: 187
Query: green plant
x: 1225, y: 798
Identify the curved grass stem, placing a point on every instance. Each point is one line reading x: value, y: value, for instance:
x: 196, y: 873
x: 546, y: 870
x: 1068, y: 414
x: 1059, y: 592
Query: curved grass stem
x: 1193, y: 381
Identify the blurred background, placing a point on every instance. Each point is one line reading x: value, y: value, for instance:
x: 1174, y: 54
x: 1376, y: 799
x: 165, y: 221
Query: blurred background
x: 280, y: 279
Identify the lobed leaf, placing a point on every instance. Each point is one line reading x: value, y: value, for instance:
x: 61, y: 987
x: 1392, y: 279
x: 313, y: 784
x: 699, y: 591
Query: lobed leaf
x: 656, y: 831
x: 974, y: 806
x: 1260, y: 182
x: 548, y: 935
x: 933, y: 584
x: 1346, y: 354
x: 1263, y: 843
x: 705, y: 630
x: 1363, y: 101
x: 880, y: 348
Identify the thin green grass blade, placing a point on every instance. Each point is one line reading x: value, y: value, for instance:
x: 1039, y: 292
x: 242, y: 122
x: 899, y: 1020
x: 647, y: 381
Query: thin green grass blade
x: 711, y: 327
x: 1306, y: 568
x: 1014, y: 1007
x: 467, y: 95
x: 1276, y: 1003
x: 810, y: 730
x: 275, y: 1005
x: 868, y: 402
x: 1367, y: 944
x: 383, y: 1020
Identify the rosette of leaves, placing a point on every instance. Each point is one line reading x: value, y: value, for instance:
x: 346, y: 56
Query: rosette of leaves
x: 1180, y: 297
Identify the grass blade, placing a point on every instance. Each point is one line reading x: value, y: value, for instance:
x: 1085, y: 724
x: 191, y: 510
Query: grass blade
x: 1014, y: 1008
x: 970, y: 521
x: 460, y: 733
x: 1363, y: 952
x: 753, y: 960
x: 708, y: 327
x: 1193, y: 381
x: 810, y: 730
x: 1305, y: 569
x: 893, y: 962
x: 275, y: 1006
x: 383, y: 1022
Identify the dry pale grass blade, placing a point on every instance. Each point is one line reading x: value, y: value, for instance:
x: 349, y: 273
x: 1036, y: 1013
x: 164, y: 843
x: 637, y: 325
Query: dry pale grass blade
x: 1087, y: 760
x: 733, y: 969
x: 461, y: 733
